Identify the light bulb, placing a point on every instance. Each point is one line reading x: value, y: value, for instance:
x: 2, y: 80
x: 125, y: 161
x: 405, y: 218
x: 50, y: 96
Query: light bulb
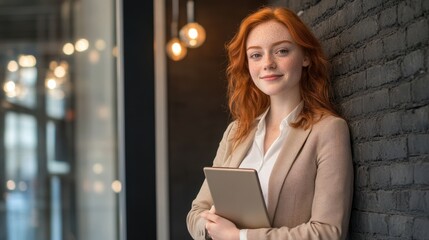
x: 193, y: 35
x: 68, y: 49
x: 176, y: 50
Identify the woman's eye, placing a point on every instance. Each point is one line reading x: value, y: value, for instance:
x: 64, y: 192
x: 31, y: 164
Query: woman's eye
x: 283, y: 51
x: 254, y: 55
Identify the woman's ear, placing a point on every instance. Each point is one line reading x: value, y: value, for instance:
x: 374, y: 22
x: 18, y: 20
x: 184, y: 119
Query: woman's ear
x: 306, y: 61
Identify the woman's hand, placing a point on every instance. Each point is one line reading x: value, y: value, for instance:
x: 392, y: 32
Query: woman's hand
x: 220, y: 228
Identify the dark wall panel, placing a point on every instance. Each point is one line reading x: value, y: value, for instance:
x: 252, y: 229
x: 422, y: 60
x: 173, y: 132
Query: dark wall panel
x: 139, y: 120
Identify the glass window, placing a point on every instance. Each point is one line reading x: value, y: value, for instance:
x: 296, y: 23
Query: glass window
x: 21, y: 175
x: 58, y: 140
x: 20, y: 85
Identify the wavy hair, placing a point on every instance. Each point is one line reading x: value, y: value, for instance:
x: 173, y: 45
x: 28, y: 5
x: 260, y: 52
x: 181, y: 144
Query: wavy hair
x: 246, y: 101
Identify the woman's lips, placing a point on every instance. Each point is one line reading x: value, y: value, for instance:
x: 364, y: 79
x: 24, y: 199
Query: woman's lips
x: 271, y: 77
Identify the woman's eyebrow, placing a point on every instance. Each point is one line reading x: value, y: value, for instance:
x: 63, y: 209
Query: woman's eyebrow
x: 274, y: 44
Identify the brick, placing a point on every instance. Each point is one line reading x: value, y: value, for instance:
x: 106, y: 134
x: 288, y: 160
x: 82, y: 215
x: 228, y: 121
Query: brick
x: 385, y: 201
x: 390, y: 124
x: 359, y: 221
x: 375, y: 76
x: 361, y: 177
x: 392, y: 72
x: 359, y: 152
x: 354, y: 134
x: 331, y: 46
x: 386, y: 149
x: 352, y: 107
x: 362, y: 30
x: 350, y: 85
x: 376, y: 101
x: 418, y: 144
x: 402, y: 200
x: 416, y: 120
x: 419, y: 201
x: 421, y: 175
x: 371, y: 4
x: 348, y: 61
x: 365, y: 128
x: 379, y: 177
x: 395, y: 148
x: 340, y: 64
x: 418, y: 33
x: 310, y: 15
x: 352, y: 10
x: 394, y: 43
x: 400, y: 95
x: 325, y: 6
x: 382, y: 74
x: 388, y: 17
x: 398, y: 149
x: 377, y: 223
x: 412, y: 63
x: 322, y: 29
x: 338, y: 20
x: 400, y: 226
x: 373, y: 50
x: 365, y: 201
x: 402, y: 174
x: 370, y: 128
x: 421, y: 229
x: 408, y: 10
x: 340, y: 3
x: 358, y: 58
x: 356, y: 153
x: 371, y: 202
x: 419, y: 89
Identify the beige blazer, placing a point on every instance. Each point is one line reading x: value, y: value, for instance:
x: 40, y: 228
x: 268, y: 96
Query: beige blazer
x: 310, y: 189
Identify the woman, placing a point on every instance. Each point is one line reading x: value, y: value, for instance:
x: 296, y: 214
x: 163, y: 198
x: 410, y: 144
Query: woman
x: 286, y: 127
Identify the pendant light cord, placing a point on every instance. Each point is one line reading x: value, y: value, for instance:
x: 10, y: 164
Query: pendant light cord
x: 175, y: 17
x: 190, y: 11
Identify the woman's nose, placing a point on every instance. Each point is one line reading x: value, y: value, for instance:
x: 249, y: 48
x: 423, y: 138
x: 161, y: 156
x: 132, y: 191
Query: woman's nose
x: 269, y: 63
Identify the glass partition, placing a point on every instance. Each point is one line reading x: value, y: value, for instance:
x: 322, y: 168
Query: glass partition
x: 58, y: 125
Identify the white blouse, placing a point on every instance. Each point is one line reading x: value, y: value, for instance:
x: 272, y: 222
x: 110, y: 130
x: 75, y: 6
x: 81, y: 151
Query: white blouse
x: 264, y: 164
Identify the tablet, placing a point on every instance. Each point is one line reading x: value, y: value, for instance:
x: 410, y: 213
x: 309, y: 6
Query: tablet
x: 237, y: 196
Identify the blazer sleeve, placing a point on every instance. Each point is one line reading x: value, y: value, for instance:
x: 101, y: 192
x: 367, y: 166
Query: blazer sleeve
x: 204, y: 201
x: 331, y: 207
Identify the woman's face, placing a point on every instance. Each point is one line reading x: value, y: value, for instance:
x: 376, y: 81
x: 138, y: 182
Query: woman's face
x: 275, y: 60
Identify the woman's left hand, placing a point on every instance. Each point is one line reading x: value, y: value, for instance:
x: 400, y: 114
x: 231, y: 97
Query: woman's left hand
x: 220, y: 228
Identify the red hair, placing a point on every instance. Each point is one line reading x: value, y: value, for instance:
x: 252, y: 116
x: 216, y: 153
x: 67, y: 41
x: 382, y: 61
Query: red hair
x: 246, y: 101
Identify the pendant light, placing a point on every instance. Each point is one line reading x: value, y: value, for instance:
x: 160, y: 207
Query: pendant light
x: 192, y: 34
x: 175, y: 48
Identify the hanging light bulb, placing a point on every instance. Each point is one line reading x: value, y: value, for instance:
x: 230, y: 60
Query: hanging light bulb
x: 175, y: 48
x: 192, y: 34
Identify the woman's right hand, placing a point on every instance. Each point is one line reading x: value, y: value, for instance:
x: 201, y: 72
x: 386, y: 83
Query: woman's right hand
x: 220, y: 228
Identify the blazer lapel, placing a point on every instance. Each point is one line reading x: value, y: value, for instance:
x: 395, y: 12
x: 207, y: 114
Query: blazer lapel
x: 240, y: 152
x: 291, y: 147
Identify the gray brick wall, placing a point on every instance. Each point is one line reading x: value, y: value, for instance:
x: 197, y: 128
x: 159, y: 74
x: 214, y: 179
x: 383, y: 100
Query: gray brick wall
x: 380, y: 56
